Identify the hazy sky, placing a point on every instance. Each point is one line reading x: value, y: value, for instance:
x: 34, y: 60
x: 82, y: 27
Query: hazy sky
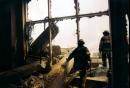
x: 90, y: 28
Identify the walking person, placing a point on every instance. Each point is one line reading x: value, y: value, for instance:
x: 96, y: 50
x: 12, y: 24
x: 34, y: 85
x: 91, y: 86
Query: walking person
x: 81, y: 57
x: 105, y: 49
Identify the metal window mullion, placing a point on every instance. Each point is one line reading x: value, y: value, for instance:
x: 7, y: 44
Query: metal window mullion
x: 77, y: 18
x: 50, y: 35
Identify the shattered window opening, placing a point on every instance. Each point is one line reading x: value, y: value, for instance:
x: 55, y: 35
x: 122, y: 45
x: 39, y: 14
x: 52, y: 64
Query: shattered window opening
x: 57, y: 12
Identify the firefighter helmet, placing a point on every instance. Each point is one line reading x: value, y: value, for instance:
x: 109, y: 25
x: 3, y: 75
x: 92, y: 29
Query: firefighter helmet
x: 81, y: 42
x: 106, y: 32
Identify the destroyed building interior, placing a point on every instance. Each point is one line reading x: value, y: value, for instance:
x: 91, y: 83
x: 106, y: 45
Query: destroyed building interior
x: 25, y: 65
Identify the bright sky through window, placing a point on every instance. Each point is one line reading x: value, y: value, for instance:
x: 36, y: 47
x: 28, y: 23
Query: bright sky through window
x: 90, y: 28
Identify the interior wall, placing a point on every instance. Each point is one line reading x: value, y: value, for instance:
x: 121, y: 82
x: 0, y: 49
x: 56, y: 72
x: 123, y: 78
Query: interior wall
x: 5, y: 44
x: 12, y: 23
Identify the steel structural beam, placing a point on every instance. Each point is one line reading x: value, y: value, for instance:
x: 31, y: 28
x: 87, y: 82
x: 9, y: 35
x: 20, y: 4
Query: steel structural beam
x: 90, y: 15
x: 77, y: 8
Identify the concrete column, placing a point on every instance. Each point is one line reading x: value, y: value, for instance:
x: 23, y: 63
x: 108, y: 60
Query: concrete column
x: 118, y: 11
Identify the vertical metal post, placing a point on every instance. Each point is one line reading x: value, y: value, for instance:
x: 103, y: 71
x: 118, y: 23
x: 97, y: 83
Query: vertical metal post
x: 50, y: 35
x: 77, y: 18
x: 120, y: 72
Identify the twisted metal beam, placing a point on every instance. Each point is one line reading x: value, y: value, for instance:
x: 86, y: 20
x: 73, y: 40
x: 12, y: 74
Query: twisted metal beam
x: 90, y: 15
x: 77, y: 9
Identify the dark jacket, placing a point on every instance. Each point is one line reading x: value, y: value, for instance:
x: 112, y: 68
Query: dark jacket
x: 81, y: 57
x: 105, y: 44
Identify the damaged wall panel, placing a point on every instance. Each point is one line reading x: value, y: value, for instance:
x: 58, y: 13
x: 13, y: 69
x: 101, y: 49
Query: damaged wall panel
x: 11, y: 35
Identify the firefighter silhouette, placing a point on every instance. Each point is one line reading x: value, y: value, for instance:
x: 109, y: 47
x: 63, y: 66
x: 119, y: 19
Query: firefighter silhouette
x: 105, y: 48
x: 81, y: 57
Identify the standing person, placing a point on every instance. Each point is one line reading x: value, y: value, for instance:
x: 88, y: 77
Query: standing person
x: 81, y: 57
x: 105, y: 49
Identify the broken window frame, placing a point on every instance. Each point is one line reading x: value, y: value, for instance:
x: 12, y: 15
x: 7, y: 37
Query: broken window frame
x: 77, y: 16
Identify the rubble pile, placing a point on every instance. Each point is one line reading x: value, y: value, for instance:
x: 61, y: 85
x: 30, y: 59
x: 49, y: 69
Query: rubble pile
x: 54, y: 79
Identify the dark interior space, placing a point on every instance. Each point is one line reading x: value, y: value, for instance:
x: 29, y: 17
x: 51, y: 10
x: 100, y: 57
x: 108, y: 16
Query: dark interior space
x: 14, y: 48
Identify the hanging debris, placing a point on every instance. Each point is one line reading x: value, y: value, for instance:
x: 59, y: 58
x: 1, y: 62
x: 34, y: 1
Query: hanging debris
x: 89, y: 15
x: 43, y: 40
x: 77, y: 8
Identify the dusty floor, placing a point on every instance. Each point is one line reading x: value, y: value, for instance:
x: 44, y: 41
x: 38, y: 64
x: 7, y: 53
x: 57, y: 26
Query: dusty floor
x: 57, y: 77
